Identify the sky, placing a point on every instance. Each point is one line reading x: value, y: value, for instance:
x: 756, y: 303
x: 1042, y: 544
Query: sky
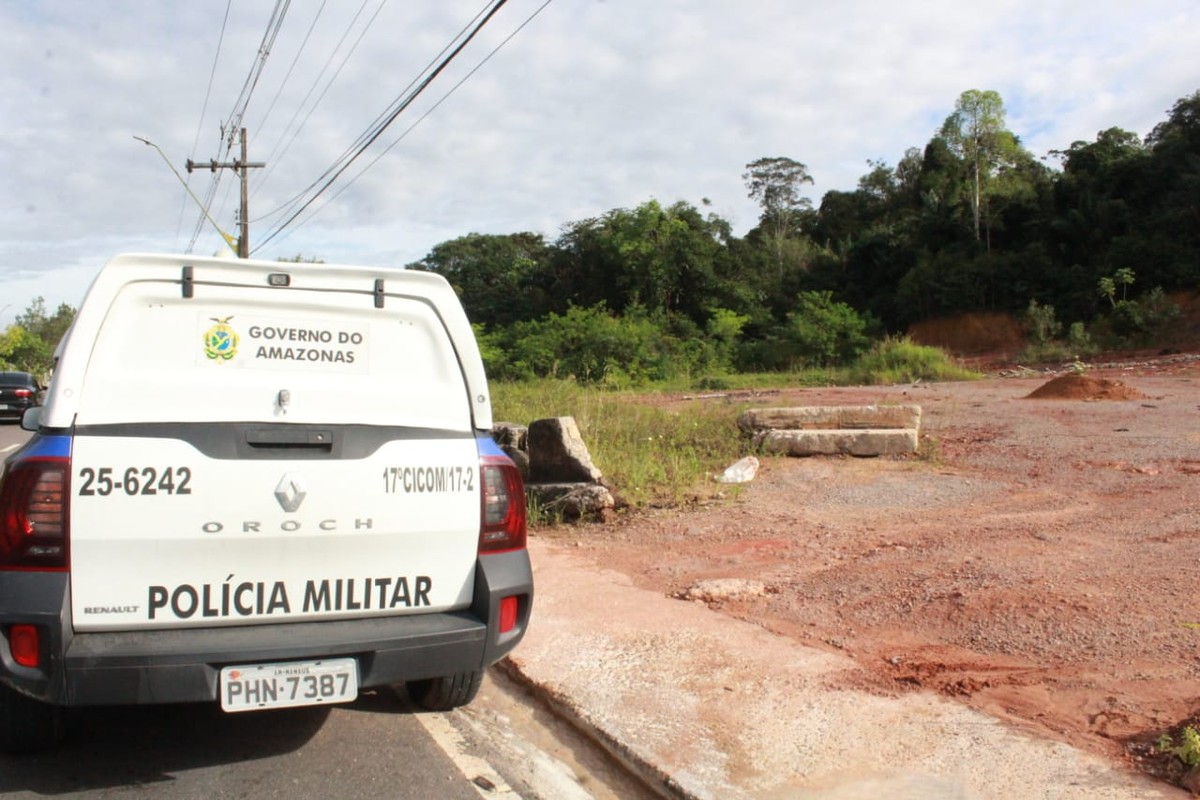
x: 554, y: 113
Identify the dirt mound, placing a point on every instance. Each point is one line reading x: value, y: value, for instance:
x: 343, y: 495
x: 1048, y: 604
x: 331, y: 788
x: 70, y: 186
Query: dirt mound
x: 1080, y: 386
x: 967, y: 334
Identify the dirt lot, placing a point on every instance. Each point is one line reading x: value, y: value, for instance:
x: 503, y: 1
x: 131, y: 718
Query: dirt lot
x: 1039, y: 560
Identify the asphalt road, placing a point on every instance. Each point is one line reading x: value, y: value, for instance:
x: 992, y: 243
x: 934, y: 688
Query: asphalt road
x: 375, y: 747
x: 11, y: 436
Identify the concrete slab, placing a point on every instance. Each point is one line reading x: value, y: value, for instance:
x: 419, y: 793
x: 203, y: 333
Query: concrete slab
x: 830, y: 417
x: 834, y: 442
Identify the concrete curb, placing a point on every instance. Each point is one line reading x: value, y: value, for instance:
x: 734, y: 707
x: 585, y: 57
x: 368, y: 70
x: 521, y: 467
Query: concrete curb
x: 637, y: 764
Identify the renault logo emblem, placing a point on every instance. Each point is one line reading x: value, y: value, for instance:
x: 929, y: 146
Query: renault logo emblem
x: 290, y: 492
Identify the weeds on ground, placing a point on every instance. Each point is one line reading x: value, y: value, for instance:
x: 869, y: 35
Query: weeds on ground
x: 929, y: 449
x: 654, y: 456
x: 659, y: 456
x: 1188, y: 749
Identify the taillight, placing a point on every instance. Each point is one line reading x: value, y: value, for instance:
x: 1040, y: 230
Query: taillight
x: 508, y: 613
x: 503, y: 505
x: 33, y: 514
x: 25, y: 645
x: 24, y: 393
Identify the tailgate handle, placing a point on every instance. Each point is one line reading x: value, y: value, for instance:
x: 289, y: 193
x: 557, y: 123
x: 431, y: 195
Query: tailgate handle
x: 305, y: 438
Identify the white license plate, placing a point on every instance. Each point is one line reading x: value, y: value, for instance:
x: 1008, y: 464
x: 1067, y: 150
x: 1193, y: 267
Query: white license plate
x: 3, y: 406
x: 294, y: 683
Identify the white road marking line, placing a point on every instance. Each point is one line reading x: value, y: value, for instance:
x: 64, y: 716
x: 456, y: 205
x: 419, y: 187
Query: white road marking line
x: 482, y: 776
x: 4, y: 450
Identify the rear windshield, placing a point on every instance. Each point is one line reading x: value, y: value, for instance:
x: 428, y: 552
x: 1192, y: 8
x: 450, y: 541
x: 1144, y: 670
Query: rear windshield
x: 259, y: 354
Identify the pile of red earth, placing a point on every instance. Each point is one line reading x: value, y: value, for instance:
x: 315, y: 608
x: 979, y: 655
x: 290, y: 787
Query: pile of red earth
x: 1081, y: 386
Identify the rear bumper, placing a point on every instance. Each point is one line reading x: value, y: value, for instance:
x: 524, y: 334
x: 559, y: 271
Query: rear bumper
x: 179, y: 666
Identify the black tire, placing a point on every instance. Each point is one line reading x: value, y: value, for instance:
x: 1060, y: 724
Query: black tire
x: 443, y: 694
x: 28, y: 726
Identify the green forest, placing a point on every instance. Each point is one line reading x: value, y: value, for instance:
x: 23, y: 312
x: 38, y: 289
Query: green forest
x: 1085, y: 246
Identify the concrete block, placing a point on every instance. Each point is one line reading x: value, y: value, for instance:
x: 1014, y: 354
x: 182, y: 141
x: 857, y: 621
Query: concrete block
x: 893, y: 441
x: 831, y: 418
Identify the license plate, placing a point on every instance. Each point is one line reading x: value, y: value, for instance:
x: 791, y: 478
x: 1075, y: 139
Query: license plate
x: 3, y: 407
x: 294, y: 683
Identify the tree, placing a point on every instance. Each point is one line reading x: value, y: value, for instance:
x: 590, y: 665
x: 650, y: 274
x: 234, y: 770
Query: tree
x: 22, y: 350
x: 823, y: 331
x: 775, y: 184
x: 497, y: 277
x: 662, y: 259
x: 1088, y: 160
x: 975, y: 133
x: 1181, y: 130
x: 47, y: 327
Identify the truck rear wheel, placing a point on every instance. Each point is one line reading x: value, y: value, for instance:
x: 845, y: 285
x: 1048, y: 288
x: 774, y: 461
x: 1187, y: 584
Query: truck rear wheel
x: 445, y: 693
x: 26, y: 725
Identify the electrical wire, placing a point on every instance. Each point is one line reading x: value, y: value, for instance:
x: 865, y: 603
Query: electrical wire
x: 421, y: 119
x: 291, y: 67
x: 388, y: 121
x: 229, y: 130
x: 200, y: 122
x: 272, y: 159
x: 260, y: 63
x: 235, y: 123
x: 291, y: 202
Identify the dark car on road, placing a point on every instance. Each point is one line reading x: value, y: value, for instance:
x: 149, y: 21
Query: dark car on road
x: 18, y: 391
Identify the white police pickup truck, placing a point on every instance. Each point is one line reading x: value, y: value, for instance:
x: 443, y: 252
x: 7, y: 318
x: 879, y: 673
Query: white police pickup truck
x: 259, y: 484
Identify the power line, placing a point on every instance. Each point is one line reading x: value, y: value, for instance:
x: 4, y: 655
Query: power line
x: 203, y: 112
x: 272, y: 158
x: 292, y: 66
x: 421, y: 119
x: 277, y: 232
x: 284, y: 207
x: 230, y: 128
x: 234, y: 123
x: 389, y: 119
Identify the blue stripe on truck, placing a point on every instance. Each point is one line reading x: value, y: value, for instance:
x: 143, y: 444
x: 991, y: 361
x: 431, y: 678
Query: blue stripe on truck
x: 52, y: 446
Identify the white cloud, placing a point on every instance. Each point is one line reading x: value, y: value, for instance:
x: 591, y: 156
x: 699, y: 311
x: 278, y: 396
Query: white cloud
x: 597, y: 104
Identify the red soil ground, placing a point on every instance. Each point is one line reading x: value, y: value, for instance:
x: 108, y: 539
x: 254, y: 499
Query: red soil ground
x: 1038, y: 560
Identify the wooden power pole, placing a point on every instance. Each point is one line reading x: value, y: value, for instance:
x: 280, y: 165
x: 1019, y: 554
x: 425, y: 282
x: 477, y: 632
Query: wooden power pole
x: 241, y: 166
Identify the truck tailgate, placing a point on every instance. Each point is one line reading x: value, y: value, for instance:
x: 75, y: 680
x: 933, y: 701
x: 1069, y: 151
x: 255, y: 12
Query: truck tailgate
x: 164, y: 535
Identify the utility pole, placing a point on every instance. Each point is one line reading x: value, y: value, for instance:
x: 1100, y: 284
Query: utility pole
x: 241, y: 167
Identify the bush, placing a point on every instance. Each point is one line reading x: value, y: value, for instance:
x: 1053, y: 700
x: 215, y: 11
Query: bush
x: 1043, y: 329
x: 1079, y: 340
x: 825, y: 332
x: 1041, y: 323
x: 1188, y: 749
x: 900, y: 360
x: 594, y: 346
x: 820, y: 332
x: 1150, y: 319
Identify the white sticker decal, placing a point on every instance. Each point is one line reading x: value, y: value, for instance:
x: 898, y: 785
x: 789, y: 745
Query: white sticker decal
x: 259, y: 343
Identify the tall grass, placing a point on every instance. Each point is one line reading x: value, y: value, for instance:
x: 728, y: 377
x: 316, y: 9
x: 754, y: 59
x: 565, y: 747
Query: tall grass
x: 654, y: 456
x: 901, y: 360
x: 666, y: 454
